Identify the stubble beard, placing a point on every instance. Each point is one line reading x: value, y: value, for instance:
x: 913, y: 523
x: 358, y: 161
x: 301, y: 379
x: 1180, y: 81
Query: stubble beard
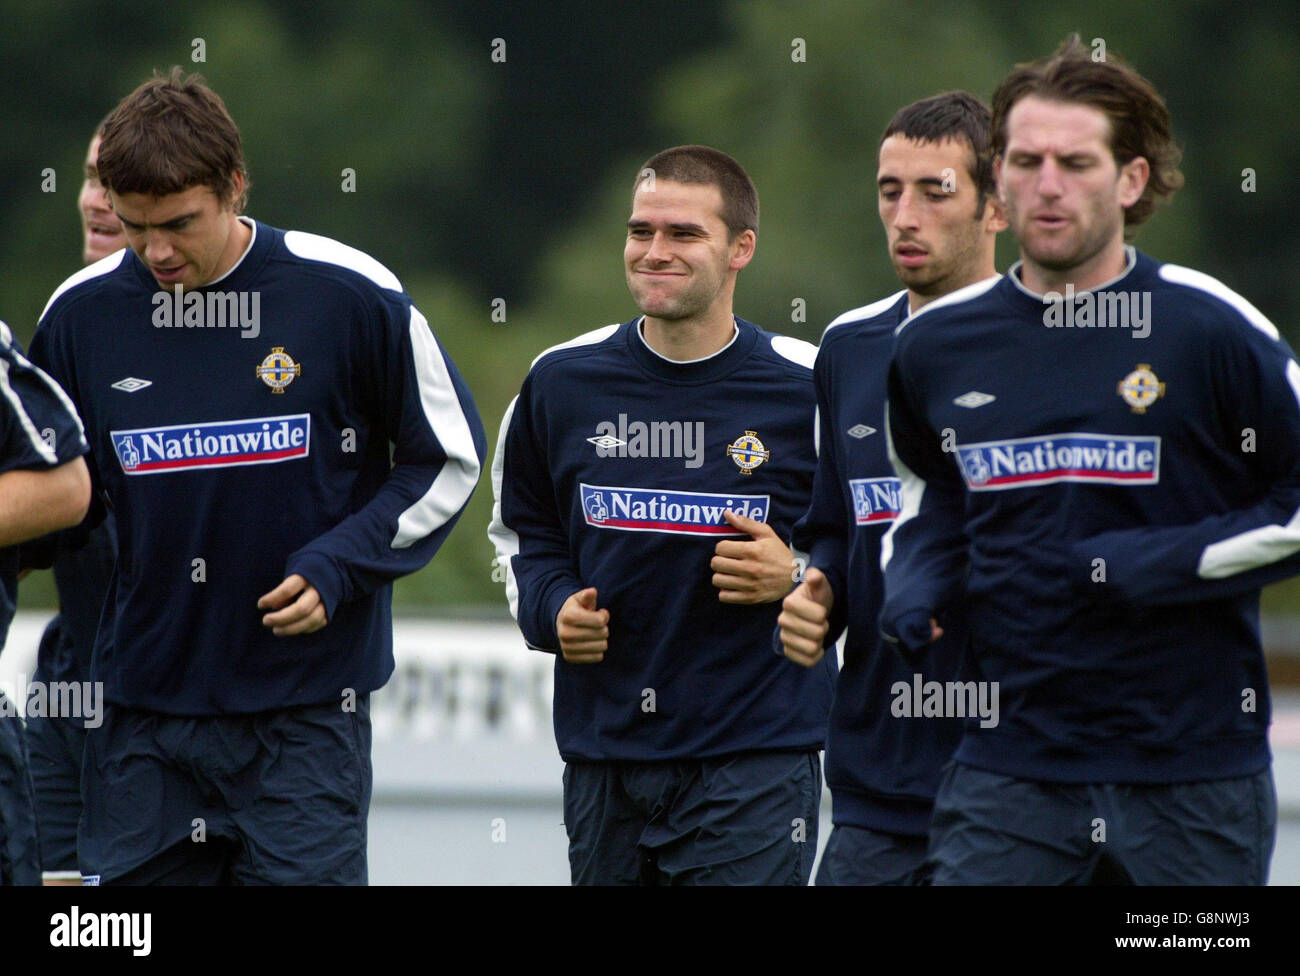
x: 687, y: 305
x: 1086, y: 246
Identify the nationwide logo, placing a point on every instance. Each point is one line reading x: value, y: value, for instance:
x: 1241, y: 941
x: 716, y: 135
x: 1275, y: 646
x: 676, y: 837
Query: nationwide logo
x: 674, y: 512
x: 216, y: 444
x: 876, y: 499
x: 1106, y: 459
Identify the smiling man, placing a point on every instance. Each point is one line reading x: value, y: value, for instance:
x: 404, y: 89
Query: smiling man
x: 691, y: 748
x: 101, y: 231
x: 267, y: 493
x: 934, y: 178
x: 1107, y: 501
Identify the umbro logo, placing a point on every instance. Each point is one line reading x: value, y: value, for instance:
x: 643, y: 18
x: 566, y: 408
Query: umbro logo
x: 606, y: 441
x: 974, y: 399
x: 860, y: 431
x: 131, y: 384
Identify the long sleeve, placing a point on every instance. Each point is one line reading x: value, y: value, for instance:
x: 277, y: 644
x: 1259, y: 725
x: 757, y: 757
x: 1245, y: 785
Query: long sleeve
x: 924, y: 554
x: 822, y: 532
x: 532, y: 546
x: 439, y: 447
x: 51, y: 362
x: 40, y: 426
x: 1233, y: 552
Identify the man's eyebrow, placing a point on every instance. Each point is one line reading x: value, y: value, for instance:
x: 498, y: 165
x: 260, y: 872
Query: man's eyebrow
x: 1071, y: 156
x: 169, y: 223
x: 924, y: 180
x: 638, y: 224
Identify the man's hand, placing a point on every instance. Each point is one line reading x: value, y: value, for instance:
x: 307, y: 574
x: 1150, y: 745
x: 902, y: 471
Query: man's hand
x: 805, y: 618
x: 305, y: 614
x: 758, y: 570
x: 583, y: 630
x: 916, y: 631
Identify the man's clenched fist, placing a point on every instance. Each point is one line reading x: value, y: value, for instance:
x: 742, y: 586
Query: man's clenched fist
x: 583, y: 630
x: 805, y: 618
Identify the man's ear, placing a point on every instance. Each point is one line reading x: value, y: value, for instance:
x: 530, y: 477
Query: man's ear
x: 995, y: 215
x: 1133, y: 177
x: 742, y: 249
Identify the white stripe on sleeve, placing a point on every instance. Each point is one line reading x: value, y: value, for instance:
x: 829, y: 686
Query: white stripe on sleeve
x: 504, y: 538
x: 455, y: 482
x: 1258, y: 547
x: 912, y: 490
x: 24, y: 420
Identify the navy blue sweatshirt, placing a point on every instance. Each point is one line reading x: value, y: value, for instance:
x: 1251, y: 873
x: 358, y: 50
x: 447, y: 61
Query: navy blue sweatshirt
x: 234, y: 457
x: 613, y: 469
x: 1126, y: 489
x: 882, y: 762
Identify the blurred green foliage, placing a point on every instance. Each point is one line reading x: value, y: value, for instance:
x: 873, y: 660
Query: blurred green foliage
x: 480, y: 180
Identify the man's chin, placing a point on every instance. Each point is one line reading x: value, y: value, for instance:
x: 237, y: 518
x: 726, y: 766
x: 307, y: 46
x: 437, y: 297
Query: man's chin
x: 98, y: 254
x: 1059, y: 258
x: 917, y: 279
x: 666, y: 311
x: 1053, y: 262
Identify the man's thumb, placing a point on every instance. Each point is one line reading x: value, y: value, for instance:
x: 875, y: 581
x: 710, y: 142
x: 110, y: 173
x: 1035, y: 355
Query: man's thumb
x: 587, y: 598
x: 819, y: 587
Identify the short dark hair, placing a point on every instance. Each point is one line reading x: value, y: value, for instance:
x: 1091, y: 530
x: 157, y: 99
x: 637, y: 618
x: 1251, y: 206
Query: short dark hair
x: 712, y: 167
x: 168, y: 135
x: 1140, y: 124
x: 952, y: 115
